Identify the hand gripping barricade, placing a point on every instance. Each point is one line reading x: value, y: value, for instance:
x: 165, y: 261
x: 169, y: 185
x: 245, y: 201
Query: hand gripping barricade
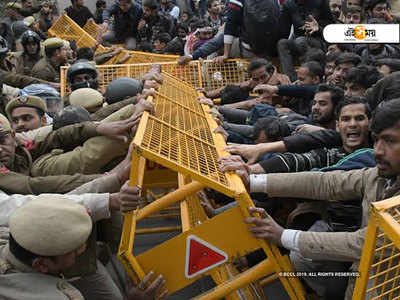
x: 380, y: 261
x: 199, y: 74
x: 179, y: 136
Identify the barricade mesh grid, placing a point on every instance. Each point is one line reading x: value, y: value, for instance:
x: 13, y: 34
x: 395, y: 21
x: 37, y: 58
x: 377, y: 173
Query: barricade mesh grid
x: 196, y: 211
x: 384, y: 278
x: 233, y: 71
x: 91, y: 28
x: 178, y: 131
x: 66, y: 28
x: 193, y: 74
x: 182, y: 149
x: 108, y: 73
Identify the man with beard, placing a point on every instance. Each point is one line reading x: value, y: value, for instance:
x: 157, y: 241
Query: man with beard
x: 336, y: 8
x: 26, y: 59
x: 326, y: 98
x: 368, y: 184
x: 152, y: 23
x: 48, y: 68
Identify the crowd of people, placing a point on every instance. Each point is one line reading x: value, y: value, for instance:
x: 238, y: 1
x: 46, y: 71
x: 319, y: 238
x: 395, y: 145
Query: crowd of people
x: 325, y: 118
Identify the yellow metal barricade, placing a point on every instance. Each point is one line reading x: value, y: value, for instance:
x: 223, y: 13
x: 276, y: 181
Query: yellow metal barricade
x: 197, y: 73
x: 135, y: 57
x: 107, y: 73
x: 66, y: 28
x: 92, y: 28
x: 231, y: 72
x: 380, y: 262
x: 179, y: 136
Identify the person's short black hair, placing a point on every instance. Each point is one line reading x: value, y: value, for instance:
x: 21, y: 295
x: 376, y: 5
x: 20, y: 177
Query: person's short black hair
x: 100, y: 3
x: 193, y: 23
x: 336, y: 92
x: 152, y: 4
x: 257, y: 63
x: 187, y: 12
x: 392, y: 63
x: 182, y: 26
x: 363, y: 75
x: 372, y: 3
x: 348, y: 58
x: 200, y: 23
x: 315, y: 55
x: 349, y: 100
x: 385, y: 116
x: 85, y: 53
x: 314, y: 68
x: 275, y: 128
x: 233, y: 93
x: 163, y: 37
x: 345, y: 47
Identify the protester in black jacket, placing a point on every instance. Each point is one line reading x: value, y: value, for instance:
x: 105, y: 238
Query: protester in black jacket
x: 303, y: 15
x: 78, y: 12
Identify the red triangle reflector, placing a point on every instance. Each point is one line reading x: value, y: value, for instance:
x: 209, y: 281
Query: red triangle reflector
x: 201, y: 256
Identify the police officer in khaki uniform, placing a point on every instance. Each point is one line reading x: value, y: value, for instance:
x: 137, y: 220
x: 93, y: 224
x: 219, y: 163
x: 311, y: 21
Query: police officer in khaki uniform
x: 26, y: 113
x: 16, y: 156
x: 32, y: 270
x: 25, y: 60
x: 48, y: 68
x: 15, y: 80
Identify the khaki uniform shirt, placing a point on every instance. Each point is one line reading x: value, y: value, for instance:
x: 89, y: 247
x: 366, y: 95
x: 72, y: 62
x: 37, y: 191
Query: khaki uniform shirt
x: 24, y: 63
x: 16, y: 179
x: 19, y: 281
x: 45, y: 69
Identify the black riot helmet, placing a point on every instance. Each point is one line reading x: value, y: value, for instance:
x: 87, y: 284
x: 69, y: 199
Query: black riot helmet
x: 82, y: 67
x: 122, y: 88
x: 18, y: 28
x: 30, y: 36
